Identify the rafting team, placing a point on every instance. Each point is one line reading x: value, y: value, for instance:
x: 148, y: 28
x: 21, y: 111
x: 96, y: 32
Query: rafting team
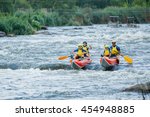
x: 109, y: 59
x: 83, y: 50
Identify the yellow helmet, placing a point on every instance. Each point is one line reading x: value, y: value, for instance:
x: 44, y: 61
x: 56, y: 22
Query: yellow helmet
x: 79, y: 45
x: 106, y: 46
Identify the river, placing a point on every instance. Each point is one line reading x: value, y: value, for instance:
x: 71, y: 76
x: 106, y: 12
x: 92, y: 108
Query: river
x: 29, y: 68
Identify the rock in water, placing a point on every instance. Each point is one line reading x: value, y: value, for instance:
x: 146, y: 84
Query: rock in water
x: 44, y: 32
x: 10, y: 35
x: 139, y: 88
x: 44, y: 28
x: 2, y: 34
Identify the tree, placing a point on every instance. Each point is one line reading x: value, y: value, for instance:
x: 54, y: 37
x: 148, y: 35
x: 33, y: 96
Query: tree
x: 21, y: 4
x: 6, y: 6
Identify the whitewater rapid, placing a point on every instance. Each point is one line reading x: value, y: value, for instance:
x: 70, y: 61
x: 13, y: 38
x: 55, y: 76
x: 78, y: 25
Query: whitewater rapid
x: 29, y: 68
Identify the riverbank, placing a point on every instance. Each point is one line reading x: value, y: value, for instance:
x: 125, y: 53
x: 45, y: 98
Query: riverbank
x: 25, y: 22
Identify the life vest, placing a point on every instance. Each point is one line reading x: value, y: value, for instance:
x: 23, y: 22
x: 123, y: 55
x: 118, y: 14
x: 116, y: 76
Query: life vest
x: 106, y: 52
x: 86, y: 49
x: 114, y: 51
x: 80, y: 53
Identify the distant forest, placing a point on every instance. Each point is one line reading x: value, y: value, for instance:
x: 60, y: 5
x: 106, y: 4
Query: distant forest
x: 27, y: 16
x: 12, y: 5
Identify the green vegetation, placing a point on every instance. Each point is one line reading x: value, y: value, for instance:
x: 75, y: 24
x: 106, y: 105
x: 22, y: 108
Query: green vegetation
x: 27, y: 16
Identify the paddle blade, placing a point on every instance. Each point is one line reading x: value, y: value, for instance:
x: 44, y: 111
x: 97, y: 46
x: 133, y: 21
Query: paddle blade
x: 128, y: 59
x: 62, y: 57
x: 70, y: 60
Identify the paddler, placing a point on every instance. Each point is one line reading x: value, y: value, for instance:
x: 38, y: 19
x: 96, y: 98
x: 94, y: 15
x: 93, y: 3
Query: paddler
x: 79, y: 52
x: 86, y: 47
x: 114, y: 49
x: 106, y: 51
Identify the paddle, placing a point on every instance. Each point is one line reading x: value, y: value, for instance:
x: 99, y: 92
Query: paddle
x: 65, y: 57
x: 128, y: 59
x: 62, y: 57
x: 70, y: 61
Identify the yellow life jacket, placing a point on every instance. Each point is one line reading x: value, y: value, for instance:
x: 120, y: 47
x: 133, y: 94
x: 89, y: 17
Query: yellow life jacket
x: 80, y: 53
x: 86, y: 49
x: 114, y: 51
x: 106, y: 52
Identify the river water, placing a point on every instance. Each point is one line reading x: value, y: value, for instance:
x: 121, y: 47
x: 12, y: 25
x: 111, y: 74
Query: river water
x: 29, y: 68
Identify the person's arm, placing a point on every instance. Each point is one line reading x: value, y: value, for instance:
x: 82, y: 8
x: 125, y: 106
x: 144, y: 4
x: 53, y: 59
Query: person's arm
x: 74, y: 51
x: 85, y: 52
x: 102, y: 54
x: 110, y: 48
x: 109, y: 52
x: 90, y: 46
x: 118, y: 48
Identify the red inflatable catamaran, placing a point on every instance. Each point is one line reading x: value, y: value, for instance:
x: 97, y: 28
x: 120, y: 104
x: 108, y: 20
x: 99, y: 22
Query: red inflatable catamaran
x: 80, y: 63
x: 109, y: 63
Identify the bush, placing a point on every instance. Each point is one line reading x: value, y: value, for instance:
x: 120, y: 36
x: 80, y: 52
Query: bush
x: 96, y: 17
x: 21, y: 14
x: 38, y: 18
x: 73, y: 22
x: 19, y: 26
x: 35, y: 24
x: 101, y: 16
x: 4, y: 26
x: 53, y: 19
